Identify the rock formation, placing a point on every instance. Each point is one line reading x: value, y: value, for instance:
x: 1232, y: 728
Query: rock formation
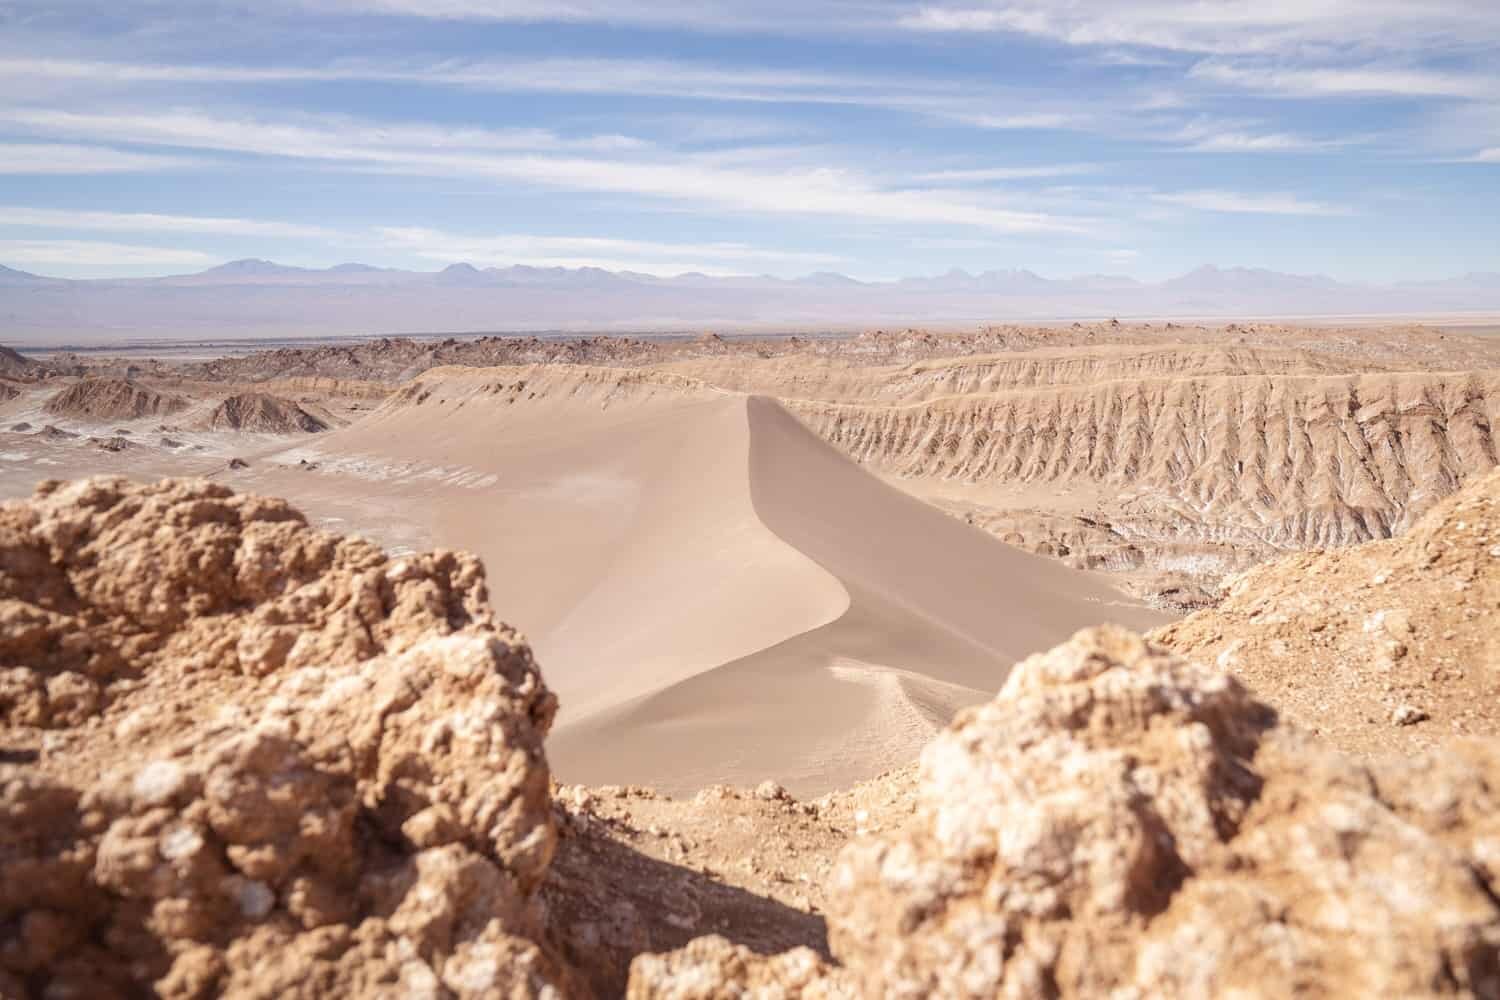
x: 245, y: 758
x: 112, y: 399
x: 1286, y: 461
x: 263, y: 412
x: 1122, y: 822
x: 1362, y: 643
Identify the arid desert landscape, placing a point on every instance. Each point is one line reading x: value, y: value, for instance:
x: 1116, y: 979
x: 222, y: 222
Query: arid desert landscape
x: 670, y: 667
x: 707, y: 500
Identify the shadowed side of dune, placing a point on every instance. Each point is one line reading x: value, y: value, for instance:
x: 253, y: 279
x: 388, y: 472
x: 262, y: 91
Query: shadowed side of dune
x: 628, y: 501
x: 938, y: 613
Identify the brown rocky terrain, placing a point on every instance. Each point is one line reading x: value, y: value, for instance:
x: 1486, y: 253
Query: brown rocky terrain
x: 113, y: 399
x: 246, y: 758
x: 262, y: 412
x: 1387, y: 646
x: 242, y: 757
x: 1122, y: 822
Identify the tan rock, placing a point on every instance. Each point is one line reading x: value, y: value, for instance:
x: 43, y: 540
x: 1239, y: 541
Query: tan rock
x: 362, y: 806
x: 1119, y: 821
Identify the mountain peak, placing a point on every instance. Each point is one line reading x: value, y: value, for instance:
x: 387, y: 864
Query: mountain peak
x: 251, y: 266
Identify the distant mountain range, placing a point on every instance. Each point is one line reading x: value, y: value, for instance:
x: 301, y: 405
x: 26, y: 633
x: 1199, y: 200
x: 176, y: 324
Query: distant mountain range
x: 248, y: 298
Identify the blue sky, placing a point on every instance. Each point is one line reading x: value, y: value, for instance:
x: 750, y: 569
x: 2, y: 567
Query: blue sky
x: 1356, y: 138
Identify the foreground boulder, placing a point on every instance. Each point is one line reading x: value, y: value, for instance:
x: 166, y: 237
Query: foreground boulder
x: 1122, y: 822
x: 242, y: 757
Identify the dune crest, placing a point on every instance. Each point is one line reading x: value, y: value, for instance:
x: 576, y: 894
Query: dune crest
x: 699, y: 563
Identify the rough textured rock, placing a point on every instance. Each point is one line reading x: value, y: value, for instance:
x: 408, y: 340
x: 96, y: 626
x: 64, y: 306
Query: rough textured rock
x: 113, y: 399
x: 1122, y: 822
x: 245, y: 758
x: 711, y: 968
x: 1344, y: 640
x: 263, y: 412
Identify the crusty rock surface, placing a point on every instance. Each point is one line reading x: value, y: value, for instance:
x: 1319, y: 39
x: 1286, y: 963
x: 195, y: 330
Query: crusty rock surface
x: 711, y: 968
x: 1344, y: 640
x: 1121, y: 822
x: 241, y: 757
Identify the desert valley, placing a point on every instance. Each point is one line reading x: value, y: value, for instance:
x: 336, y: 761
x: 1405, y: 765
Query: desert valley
x: 820, y: 500
x: 758, y: 576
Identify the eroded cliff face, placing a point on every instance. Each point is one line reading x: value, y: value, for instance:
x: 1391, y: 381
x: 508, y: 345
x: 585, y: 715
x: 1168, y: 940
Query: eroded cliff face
x: 1122, y: 822
x: 246, y: 758
x: 1290, y: 461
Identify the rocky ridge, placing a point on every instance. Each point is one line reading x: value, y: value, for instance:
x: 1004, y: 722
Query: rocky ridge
x: 113, y: 399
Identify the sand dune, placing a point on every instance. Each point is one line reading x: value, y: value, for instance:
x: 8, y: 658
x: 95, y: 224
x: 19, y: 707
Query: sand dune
x: 718, y: 594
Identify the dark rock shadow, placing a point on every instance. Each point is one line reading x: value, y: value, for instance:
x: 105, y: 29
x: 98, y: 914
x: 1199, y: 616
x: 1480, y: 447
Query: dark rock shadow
x: 607, y: 902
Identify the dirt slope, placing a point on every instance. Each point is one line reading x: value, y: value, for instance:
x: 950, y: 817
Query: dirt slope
x: 1391, y: 645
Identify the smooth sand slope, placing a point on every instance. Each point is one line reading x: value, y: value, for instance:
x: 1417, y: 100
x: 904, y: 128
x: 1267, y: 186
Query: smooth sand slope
x: 715, y: 593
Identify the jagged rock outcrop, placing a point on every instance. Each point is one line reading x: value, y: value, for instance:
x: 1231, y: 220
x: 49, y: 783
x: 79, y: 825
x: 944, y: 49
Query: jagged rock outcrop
x: 113, y: 399
x: 1357, y: 643
x: 240, y: 757
x: 1123, y: 822
x: 262, y: 412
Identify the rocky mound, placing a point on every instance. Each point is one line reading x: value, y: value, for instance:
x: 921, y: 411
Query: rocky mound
x: 13, y: 364
x: 241, y: 757
x: 1387, y: 645
x: 1122, y: 822
x: 112, y: 399
x: 263, y: 412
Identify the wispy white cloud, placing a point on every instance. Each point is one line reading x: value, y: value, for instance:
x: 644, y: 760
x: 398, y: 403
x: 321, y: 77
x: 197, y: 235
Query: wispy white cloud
x: 1250, y: 203
x: 719, y: 15
x: 504, y: 156
x: 1356, y: 81
x: 666, y: 79
x: 91, y: 257
x: 18, y: 215
x: 982, y: 175
x: 332, y: 137
x: 611, y: 253
x: 1210, y: 136
x: 1233, y: 26
x: 62, y: 158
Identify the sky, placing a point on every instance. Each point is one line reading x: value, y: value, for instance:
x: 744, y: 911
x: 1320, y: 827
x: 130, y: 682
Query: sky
x: 878, y: 139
